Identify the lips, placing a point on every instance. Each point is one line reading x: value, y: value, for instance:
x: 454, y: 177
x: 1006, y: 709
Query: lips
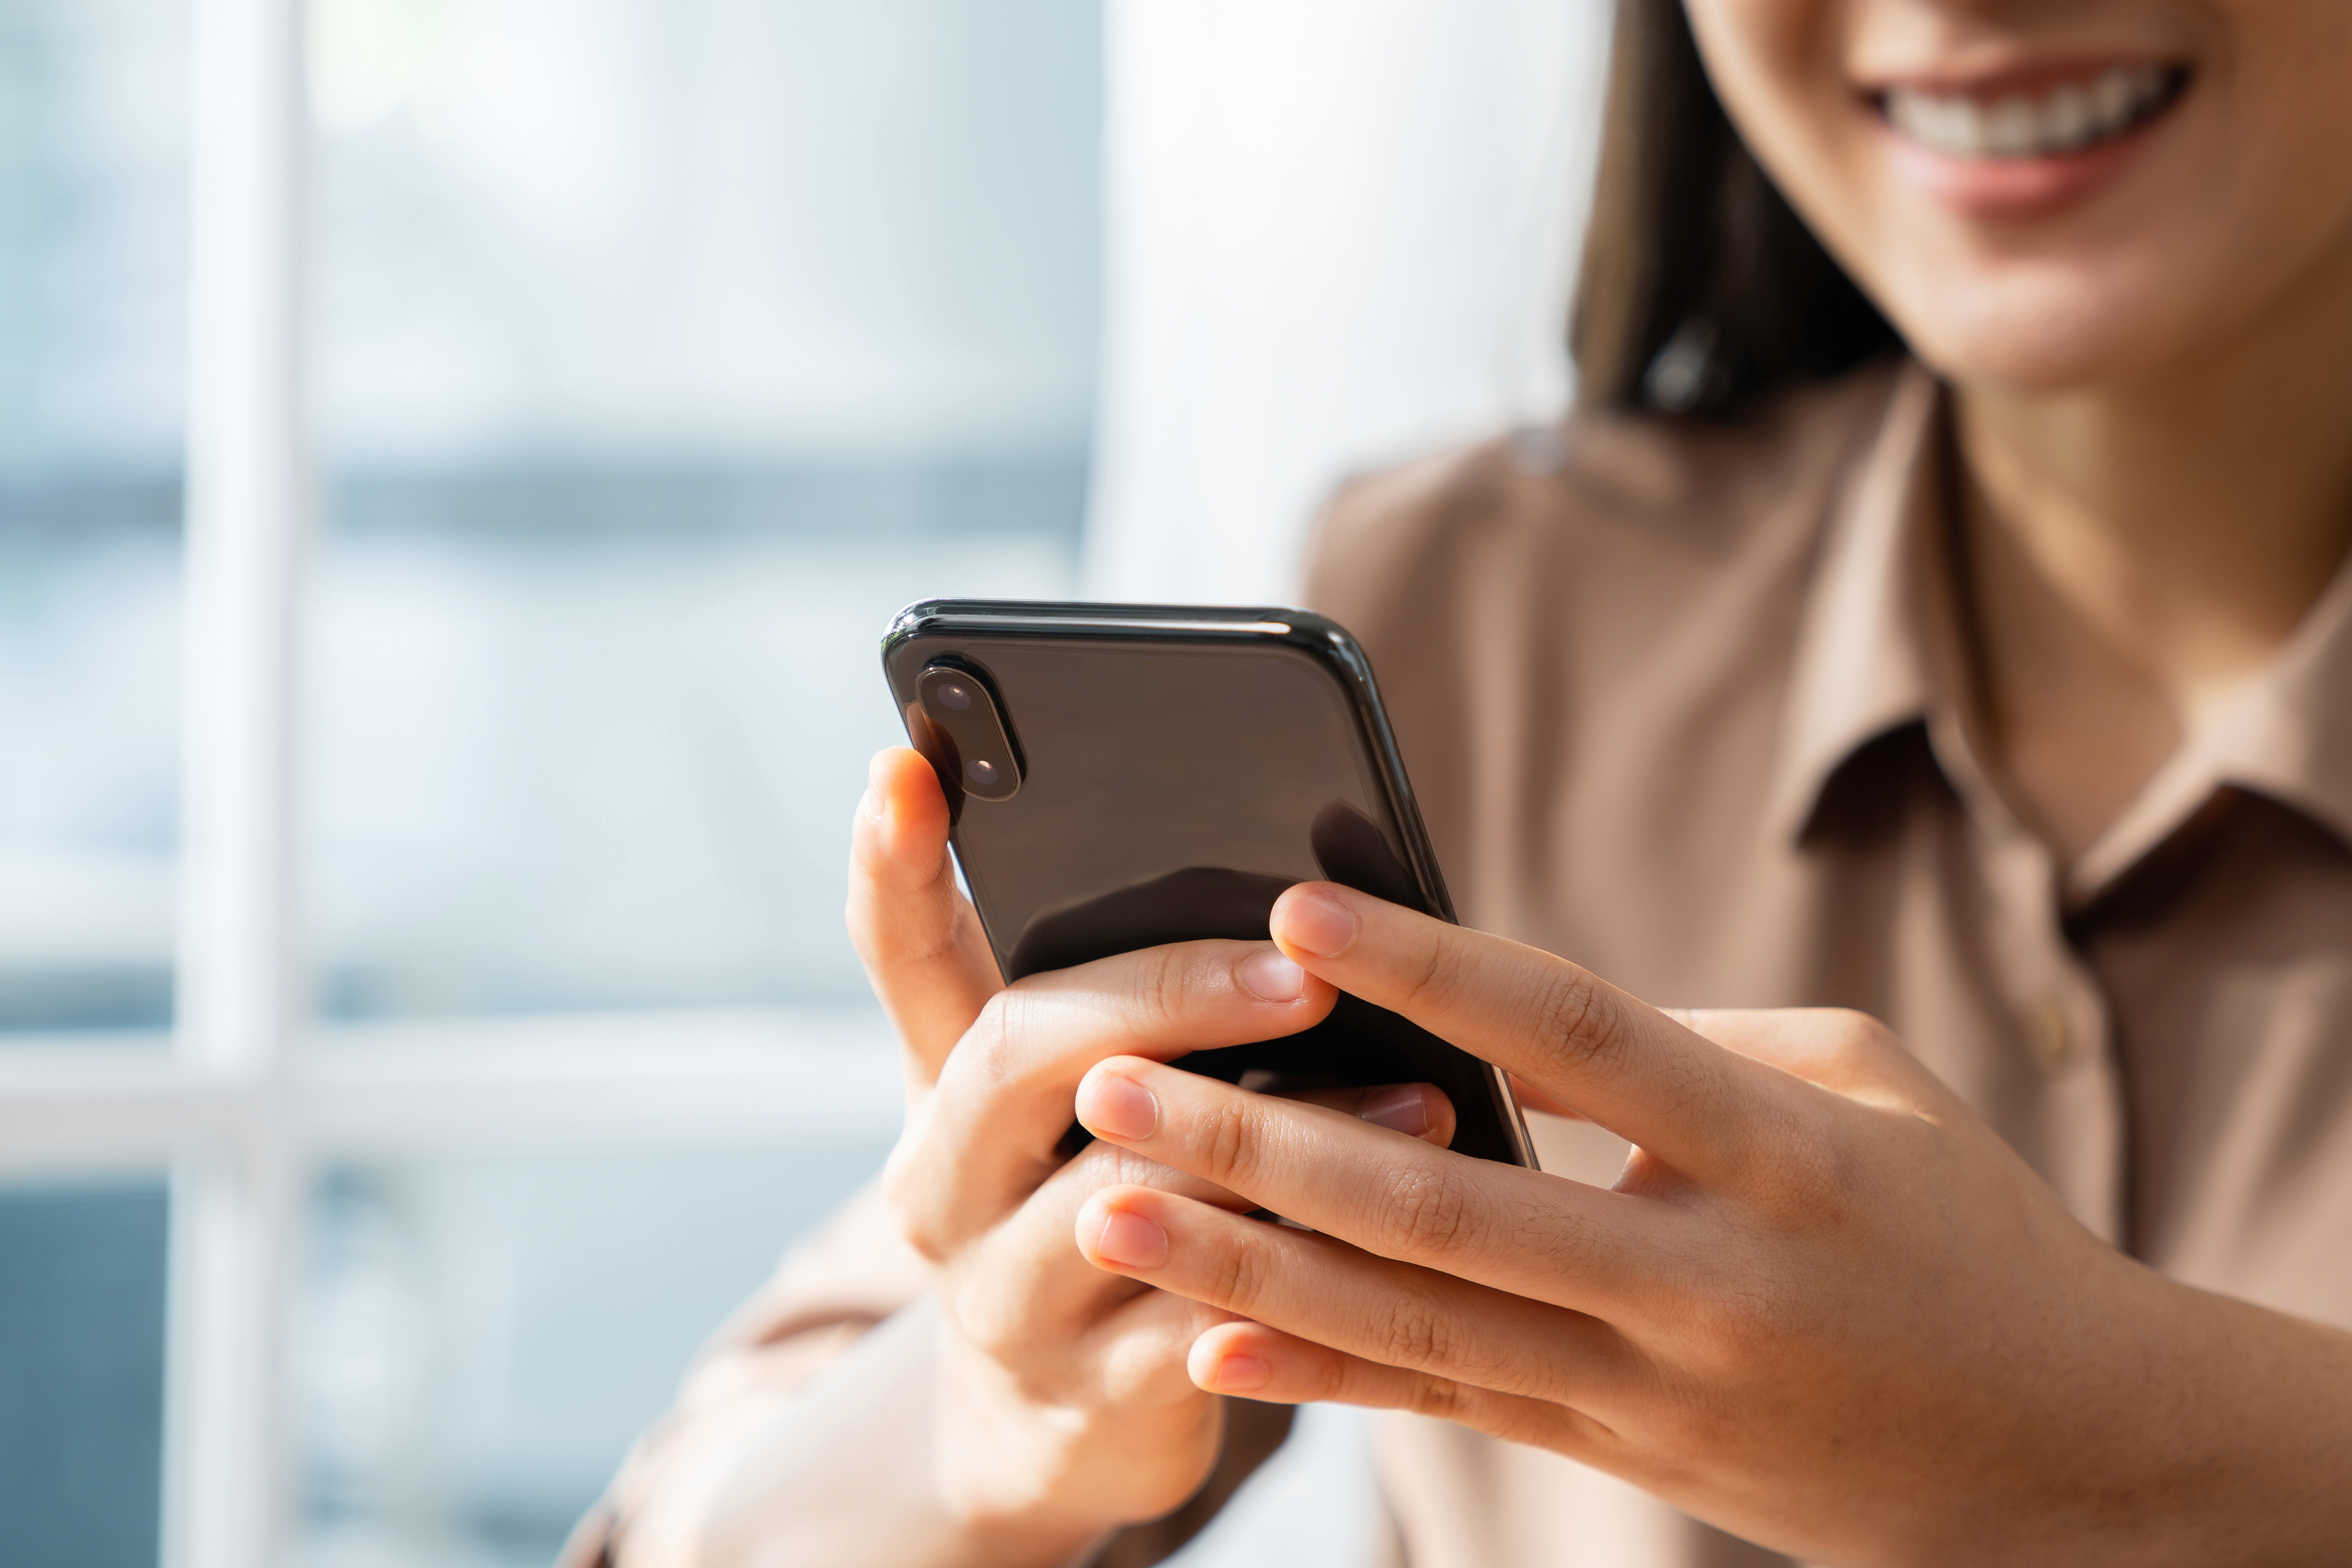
x: 2026, y: 143
x: 2061, y: 116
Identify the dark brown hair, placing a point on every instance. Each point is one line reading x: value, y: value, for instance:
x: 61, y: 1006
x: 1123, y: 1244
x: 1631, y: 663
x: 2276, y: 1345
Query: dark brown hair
x: 1701, y: 289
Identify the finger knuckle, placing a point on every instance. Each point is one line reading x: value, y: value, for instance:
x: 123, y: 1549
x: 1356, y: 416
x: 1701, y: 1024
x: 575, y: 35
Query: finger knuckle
x: 1130, y: 1169
x: 1332, y: 1377
x: 1412, y: 1332
x: 1156, y: 998
x: 1426, y: 1214
x: 1100, y: 1166
x: 1237, y: 1280
x: 1229, y: 1142
x: 1574, y: 1025
x: 1439, y: 977
x: 1564, y: 1242
x: 1439, y: 1397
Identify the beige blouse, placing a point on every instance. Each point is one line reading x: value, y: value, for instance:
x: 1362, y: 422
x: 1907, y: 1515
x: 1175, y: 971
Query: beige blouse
x: 1691, y: 705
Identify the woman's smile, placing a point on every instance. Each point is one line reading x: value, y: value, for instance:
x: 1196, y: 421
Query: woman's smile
x: 2023, y: 142
x: 2010, y: 120
x: 2052, y: 194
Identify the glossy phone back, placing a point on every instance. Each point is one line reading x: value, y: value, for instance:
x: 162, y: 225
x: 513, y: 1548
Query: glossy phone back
x: 1178, y: 768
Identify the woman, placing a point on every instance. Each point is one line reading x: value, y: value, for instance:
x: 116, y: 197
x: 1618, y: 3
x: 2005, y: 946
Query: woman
x: 1989, y: 674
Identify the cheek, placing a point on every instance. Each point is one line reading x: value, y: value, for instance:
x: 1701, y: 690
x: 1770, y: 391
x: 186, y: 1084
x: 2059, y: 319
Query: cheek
x: 1779, y: 68
x: 1776, y: 63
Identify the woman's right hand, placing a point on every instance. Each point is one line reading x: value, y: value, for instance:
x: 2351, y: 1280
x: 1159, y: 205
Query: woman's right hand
x: 1063, y: 1406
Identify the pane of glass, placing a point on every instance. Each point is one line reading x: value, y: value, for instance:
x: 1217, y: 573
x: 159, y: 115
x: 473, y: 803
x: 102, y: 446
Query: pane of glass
x: 81, y: 1374
x: 479, y: 1339
x: 666, y: 347
x: 93, y: 204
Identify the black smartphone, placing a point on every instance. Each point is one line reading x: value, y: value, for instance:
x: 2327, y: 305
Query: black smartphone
x: 1121, y: 777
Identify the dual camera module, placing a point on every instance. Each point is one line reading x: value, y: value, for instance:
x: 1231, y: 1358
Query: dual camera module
x: 969, y: 730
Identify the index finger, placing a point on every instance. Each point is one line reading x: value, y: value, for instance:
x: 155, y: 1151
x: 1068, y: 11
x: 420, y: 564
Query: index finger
x: 1502, y: 1226
x: 1609, y: 1056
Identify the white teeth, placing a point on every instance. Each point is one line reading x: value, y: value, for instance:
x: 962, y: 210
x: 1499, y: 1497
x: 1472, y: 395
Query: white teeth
x: 2014, y: 128
x: 2070, y: 116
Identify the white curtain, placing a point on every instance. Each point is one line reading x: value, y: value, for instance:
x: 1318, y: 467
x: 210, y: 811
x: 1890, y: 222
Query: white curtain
x: 1338, y: 233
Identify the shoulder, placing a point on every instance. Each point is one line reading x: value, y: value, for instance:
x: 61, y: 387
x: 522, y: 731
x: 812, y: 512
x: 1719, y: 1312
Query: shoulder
x: 1565, y: 618
x: 1640, y: 500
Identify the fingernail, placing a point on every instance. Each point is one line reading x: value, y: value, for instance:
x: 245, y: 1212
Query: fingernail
x: 1115, y: 1106
x: 1270, y: 977
x: 1239, y: 1374
x: 1403, y: 1110
x: 1318, y: 924
x: 869, y: 804
x: 1131, y: 1241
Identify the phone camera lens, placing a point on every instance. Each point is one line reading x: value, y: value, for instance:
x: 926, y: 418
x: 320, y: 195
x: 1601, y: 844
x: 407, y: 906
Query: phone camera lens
x: 963, y: 734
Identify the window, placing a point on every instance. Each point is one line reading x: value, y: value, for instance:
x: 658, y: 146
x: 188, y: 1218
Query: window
x: 456, y: 458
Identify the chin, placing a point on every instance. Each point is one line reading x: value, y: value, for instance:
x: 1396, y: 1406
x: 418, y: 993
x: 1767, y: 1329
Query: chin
x: 2042, y: 329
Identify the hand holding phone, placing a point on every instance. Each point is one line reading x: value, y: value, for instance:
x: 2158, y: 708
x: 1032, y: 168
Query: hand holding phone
x: 1122, y: 777
x: 1055, y: 1399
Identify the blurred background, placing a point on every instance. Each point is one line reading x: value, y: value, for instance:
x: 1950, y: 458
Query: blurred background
x: 649, y: 355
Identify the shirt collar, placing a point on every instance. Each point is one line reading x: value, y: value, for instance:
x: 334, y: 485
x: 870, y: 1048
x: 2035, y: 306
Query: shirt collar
x: 2285, y: 733
x: 1860, y: 668
x: 1879, y: 646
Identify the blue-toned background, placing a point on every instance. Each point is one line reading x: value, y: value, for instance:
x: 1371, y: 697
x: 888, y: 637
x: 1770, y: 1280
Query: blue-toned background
x: 659, y: 350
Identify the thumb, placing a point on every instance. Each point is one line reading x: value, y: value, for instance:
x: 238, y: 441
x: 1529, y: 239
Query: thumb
x: 916, y: 934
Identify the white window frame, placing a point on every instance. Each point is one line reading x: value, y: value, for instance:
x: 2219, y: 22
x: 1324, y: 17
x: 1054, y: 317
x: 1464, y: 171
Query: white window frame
x: 252, y: 1096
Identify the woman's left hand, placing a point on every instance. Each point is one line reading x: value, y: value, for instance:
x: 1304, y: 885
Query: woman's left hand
x: 1824, y: 1307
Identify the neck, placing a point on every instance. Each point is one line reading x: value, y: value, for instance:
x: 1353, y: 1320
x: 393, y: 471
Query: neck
x: 2137, y: 550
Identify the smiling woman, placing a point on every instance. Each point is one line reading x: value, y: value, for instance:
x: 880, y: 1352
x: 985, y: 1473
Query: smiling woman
x: 1892, y: 748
